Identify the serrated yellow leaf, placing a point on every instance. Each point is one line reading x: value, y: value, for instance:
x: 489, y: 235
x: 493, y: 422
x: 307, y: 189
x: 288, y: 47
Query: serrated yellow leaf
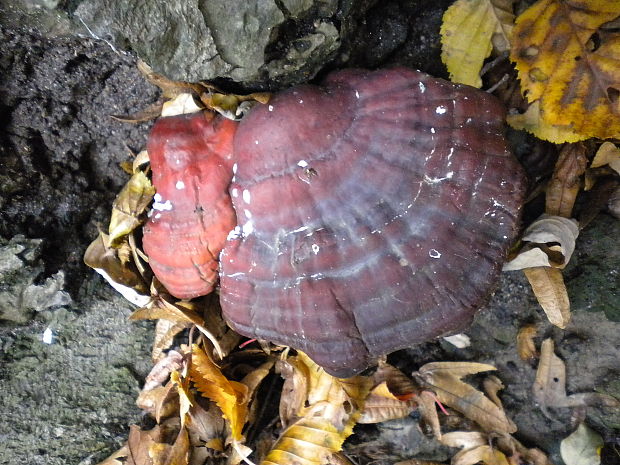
x: 469, y: 30
x: 576, y: 79
x: 533, y: 121
x: 229, y: 396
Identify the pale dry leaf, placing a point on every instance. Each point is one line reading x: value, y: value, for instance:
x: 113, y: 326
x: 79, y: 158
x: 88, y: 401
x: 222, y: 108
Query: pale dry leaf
x: 582, y: 447
x: 526, y: 348
x: 160, y: 372
x: 546, y: 230
x: 607, y: 154
x: 550, y: 291
x: 165, y: 331
x: 182, y: 104
x: 492, y: 385
x: 485, y: 454
x: 445, y: 380
x: 550, y: 384
x: 460, y: 341
x: 464, y: 439
x: 206, y: 426
x: 294, y: 391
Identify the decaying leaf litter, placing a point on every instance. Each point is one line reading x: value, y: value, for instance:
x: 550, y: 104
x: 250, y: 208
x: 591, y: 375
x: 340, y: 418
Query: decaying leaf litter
x: 212, y: 399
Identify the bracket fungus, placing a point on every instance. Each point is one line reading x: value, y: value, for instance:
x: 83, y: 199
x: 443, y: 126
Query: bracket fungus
x: 351, y: 219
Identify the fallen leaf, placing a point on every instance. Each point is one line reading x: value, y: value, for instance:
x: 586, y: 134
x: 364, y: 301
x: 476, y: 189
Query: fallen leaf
x: 170, y: 88
x: 492, y: 385
x: 550, y: 291
x: 230, y: 396
x: 464, y: 48
x: 175, y: 454
x: 309, y: 441
x: 607, y: 154
x: 382, y: 405
x: 566, y: 180
x: 460, y: 341
x: 129, y: 205
x: 549, y: 241
x: 464, y: 439
x: 151, y: 112
x: 165, y: 332
x: 445, y: 379
x: 160, y: 372
x: 525, y: 342
x: 207, y: 426
x: 186, y: 398
x: 138, y: 445
x: 582, y: 447
x: 576, y: 79
x: 182, y: 104
x: 418, y: 462
x: 399, y: 384
x: 533, y: 122
x: 120, y: 274
x: 550, y: 385
x: 485, y: 454
x: 232, y: 106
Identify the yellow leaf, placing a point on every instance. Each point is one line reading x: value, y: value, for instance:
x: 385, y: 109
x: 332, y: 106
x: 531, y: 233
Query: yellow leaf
x: 230, y: 396
x: 307, y: 442
x: 485, y: 454
x: 576, y: 80
x: 550, y: 291
x: 445, y: 379
x: 532, y: 121
x: 129, y: 204
x: 185, y: 396
x: 469, y: 30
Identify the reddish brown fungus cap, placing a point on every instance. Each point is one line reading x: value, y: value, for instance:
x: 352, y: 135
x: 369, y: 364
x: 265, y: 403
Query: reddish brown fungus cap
x: 374, y: 213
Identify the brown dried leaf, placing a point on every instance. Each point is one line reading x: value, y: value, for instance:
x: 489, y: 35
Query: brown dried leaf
x: 492, y: 385
x: 129, y: 205
x: 445, y: 379
x: 525, y: 342
x: 233, y: 106
x: 548, y: 286
x: 428, y: 412
x: 397, y: 382
x: 175, y: 454
x: 207, y: 426
x: 566, y: 180
x: 149, y: 113
x: 122, y: 275
x: 138, y: 445
x: 294, y: 391
x: 418, y: 462
x: 382, y: 405
x: 607, y: 154
x: 169, y: 87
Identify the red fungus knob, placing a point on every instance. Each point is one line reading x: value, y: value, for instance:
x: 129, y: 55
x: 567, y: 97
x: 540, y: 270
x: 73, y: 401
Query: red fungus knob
x: 192, y: 212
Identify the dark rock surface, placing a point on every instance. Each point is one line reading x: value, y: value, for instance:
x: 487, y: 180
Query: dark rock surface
x: 71, y: 364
